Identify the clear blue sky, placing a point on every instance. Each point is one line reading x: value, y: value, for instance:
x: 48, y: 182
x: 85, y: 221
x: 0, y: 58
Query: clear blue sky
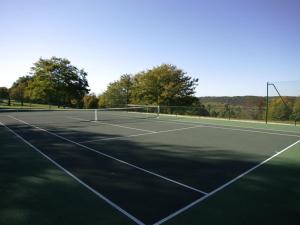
x: 233, y: 47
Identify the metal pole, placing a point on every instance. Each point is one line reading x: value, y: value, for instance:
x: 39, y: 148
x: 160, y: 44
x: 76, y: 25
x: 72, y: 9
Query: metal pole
x: 267, y: 103
x: 280, y: 95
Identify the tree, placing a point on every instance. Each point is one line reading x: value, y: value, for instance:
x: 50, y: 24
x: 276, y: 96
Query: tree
x: 296, y: 109
x: 118, y: 93
x: 18, y: 89
x: 56, y: 81
x: 279, y: 110
x: 164, y: 85
x: 90, y: 101
x: 4, y: 94
x: 102, y: 101
x: 40, y: 89
x: 126, y: 86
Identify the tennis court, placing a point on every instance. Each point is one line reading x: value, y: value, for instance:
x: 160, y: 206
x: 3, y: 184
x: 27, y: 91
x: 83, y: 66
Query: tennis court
x: 146, y: 167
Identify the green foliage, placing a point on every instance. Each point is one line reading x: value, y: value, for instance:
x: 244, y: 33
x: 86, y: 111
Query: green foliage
x: 102, y: 101
x: 237, y: 107
x: 199, y: 110
x: 278, y: 110
x: 246, y: 101
x: 90, y: 101
x: 296, y: 109
x: 163, y: 85
x: 56, y: 81
x: 253, y: 107
x: 118, y: 93
x: 18, y: 89
x: 4, y: 93
x: 40, y: 89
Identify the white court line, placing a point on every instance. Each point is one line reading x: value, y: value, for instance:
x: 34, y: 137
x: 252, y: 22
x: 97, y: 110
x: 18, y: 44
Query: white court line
x: 224, y: 127
x: 77, y: 179
x: 186, y: 128
x: 144, y: 134
x: 114, y: 125
x: 227, y: 127
x: 223, y: 186
x: 111, y: 157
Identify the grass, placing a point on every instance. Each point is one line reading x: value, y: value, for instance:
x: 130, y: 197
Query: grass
x: 15, y: 104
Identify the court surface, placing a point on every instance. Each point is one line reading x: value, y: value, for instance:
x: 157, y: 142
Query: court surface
x: 150, y: 169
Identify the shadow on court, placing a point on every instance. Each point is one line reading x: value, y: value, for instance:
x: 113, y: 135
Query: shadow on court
x: 34, y: 191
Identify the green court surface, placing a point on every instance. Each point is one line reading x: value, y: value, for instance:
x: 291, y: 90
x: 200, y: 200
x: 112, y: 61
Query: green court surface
x: 58, y: 168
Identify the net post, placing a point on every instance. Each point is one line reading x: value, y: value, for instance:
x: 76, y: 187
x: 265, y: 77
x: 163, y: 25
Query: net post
x: 96, y: 115
x: 158, y: 111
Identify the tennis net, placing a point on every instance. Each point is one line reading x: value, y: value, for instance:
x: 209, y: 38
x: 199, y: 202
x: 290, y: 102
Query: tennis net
x: 48, y: 116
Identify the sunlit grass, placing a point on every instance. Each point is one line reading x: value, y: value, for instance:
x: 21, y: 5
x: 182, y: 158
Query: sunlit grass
x: 15, y: 104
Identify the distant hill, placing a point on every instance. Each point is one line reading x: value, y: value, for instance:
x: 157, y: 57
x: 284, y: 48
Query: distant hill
x: 248, y: 101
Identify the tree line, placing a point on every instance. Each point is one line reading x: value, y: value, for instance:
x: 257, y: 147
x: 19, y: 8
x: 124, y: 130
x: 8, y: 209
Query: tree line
x: 161, y: 85
x: 56, y: 81
x: 51, y: 81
